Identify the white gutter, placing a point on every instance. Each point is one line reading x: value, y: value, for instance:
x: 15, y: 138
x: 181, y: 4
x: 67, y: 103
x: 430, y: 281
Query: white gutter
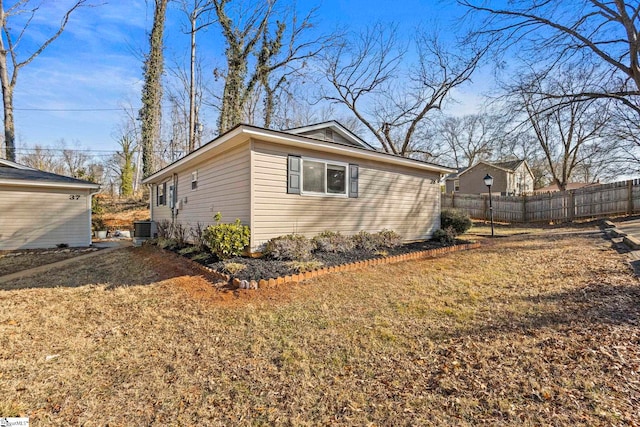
x: 25, y: 183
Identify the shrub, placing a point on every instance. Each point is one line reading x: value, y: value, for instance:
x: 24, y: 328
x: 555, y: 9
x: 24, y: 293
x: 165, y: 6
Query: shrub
x: 458, y: 221
x: 197, y: 235
x: 227, y: 240
x: 164, y: 229
x: 179, y: 233
x: 365, y: 241
x: 387, y: 239
x: 446, y: 236
x: 234, y: 267
x: 293, y: 247
x: 302, y: 266
x: 330, y: 241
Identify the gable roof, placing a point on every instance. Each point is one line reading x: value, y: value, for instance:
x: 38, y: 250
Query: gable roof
x: 12, y: 173
x: 10, y: 164
x: 509, y: 166
x: 242, y: 133
x: 334, y: 126
x: 456, y: 174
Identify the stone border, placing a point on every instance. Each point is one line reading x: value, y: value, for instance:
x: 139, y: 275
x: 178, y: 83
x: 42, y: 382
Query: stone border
x: 297, y: 278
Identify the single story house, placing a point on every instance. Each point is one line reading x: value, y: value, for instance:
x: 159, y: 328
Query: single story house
x: 42, y: 209
x: 304, y: 180
x: 513, y: 178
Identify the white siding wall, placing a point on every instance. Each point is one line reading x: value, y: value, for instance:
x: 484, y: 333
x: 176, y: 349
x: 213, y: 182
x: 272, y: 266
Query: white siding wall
x: 223, y: 186
x: 42, y: 218
x: 391, y: 197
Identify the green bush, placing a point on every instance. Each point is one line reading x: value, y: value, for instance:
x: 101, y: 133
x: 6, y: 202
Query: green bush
x: 331, y: 241
x: 227, y: 240
x: 446, y: 236
x: 291, y: 247
x: 458, y: 221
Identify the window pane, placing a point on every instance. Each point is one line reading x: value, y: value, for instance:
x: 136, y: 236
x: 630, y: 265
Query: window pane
x: 313, y: 176
x: 336, y: 179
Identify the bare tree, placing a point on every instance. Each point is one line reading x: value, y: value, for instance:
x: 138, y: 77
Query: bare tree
x: 266, y: 52
x: 283, y: 56
x: 366, y: 70
x: 151, y: 113
x: 241, y: 37
x: 43, y: 159
x: 605, y: 32
x: 11, y: 60
x: 570, y: 134
x: 199, y: 14
x: 470, y: 138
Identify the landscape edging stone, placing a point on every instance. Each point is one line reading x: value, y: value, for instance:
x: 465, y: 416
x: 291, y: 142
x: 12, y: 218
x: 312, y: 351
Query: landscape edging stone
x: 297, y: 278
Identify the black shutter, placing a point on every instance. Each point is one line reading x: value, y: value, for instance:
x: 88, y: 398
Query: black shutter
x: 157, y: 195
x: 353, y: 181
x: 164, y: 193
x: 294, y: 164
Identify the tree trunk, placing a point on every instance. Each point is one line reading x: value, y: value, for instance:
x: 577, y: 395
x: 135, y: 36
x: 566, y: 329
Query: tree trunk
x: 151, y: 112
x: 192, y: 87
x: 7, y: 98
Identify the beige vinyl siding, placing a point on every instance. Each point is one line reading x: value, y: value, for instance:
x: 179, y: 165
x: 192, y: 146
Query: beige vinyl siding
x: 392, y: 197
x: 223, y: 186
x: 34, y: 217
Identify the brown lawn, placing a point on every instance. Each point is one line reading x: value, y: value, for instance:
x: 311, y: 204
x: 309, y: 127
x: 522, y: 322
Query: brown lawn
x: 529, y: 330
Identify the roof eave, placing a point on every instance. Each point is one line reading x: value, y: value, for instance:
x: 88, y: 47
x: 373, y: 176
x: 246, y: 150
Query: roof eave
x: 32, y: 183
x: 285, y: 138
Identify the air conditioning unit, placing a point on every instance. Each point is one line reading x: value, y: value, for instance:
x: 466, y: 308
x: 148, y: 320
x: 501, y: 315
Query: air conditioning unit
x: 143, y: 230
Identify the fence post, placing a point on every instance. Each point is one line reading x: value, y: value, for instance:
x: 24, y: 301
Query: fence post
x: 572, y: 206
x: 524, y: 208
x: 629, y: 197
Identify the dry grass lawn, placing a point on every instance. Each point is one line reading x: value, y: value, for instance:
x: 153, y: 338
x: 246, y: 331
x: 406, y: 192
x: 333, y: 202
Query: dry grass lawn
x: 529, y: 330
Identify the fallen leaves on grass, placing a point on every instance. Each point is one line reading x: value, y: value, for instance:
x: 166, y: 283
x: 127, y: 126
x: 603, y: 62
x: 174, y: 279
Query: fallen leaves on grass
x: 531, y: 330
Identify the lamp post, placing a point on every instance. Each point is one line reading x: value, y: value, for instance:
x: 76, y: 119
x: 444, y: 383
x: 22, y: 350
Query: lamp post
x: 488, y: 181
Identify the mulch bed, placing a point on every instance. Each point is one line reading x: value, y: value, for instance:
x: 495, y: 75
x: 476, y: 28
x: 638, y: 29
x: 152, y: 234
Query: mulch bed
x: 264, y: 268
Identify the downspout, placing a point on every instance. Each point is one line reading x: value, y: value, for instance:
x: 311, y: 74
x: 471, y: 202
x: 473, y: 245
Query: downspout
x: 91, y: 213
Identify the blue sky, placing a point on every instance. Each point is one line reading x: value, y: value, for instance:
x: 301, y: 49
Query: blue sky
x: 76, y: 88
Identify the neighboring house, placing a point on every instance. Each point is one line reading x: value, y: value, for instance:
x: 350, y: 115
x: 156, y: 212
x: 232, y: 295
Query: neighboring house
x: 512, y: 178
x: 306, y: 180
x: 42, y: 209
x: 452, y: 181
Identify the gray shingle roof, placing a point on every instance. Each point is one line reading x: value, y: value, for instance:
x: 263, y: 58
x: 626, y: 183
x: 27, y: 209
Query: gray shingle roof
x: 511, y: 165
x: 9, y: 173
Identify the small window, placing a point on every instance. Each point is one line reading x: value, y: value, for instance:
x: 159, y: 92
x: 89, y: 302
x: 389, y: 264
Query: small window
x: 194, y: 180
x: 322, y: 177
x: 160, y: 195
x: 456, y: 185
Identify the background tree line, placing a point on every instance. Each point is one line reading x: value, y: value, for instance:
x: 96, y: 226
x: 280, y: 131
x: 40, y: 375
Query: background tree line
x: 566, y: 92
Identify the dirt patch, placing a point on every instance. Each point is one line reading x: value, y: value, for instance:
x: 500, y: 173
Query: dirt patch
x: 14, y: 261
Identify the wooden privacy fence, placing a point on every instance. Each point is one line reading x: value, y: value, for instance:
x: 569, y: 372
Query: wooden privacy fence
x: 616, y: 198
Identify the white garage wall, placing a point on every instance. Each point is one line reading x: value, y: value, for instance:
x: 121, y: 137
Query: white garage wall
x: 33, y: 217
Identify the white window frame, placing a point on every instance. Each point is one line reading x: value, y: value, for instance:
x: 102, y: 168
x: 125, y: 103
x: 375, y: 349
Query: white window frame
x: 325, y: 162
x: 194, y: 180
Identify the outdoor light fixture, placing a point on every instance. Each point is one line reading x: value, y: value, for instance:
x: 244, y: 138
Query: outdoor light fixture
x: 488, y: 181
